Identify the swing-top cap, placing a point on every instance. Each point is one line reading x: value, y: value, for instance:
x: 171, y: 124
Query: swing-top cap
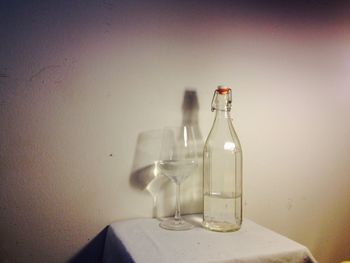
x: 223, y: 90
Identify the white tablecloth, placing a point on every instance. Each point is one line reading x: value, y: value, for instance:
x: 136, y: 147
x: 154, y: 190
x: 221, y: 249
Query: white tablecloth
x: 143, y: 241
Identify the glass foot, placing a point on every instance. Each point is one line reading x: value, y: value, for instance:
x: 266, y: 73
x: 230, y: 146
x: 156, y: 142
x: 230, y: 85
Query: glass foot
x: 172, y: 224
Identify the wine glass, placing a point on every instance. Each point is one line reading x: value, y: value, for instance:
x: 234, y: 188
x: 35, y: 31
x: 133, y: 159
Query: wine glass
x: 178, y: 160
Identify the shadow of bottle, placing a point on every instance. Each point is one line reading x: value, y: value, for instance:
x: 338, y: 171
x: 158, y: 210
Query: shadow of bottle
x: 192, y: 187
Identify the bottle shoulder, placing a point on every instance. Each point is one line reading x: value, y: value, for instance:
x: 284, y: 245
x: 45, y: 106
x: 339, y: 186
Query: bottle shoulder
x: 232, y: 146
x: 222, y: 131
x: 223, y: 142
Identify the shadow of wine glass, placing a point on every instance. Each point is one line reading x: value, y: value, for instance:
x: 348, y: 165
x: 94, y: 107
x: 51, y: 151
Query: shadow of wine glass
x: 145, y: 174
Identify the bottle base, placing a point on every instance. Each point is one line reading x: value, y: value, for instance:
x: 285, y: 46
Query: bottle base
x: 220, y: 226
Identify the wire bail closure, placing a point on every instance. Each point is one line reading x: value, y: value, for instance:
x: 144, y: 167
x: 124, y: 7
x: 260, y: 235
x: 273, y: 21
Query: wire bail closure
x: 213, y: 99
x: 222, y: 90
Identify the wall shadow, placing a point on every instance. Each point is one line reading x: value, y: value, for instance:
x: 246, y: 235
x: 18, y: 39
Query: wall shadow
x: 93, y: 251
x: 146, y: 175
x: 192, y: 187
x: 190, y: 108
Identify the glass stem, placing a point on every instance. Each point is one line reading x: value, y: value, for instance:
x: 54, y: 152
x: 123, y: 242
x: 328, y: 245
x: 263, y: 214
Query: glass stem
x: 155, y: 214
x: 177, y: 210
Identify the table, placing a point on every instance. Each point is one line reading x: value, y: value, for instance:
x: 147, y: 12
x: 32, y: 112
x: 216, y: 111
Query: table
x: 143, y: 241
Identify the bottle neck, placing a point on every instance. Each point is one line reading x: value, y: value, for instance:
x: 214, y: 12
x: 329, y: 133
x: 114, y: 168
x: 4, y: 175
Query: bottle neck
x: 221, y: 102
x: 222, y: 114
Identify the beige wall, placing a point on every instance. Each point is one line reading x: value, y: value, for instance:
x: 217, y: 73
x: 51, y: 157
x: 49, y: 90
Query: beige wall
x: 85, y: 86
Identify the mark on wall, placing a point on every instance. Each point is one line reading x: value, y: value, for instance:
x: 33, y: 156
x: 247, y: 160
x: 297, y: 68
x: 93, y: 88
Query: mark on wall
x: 3, y: 75
x: 108, y: 4
x: 42, y: 71
x: 289, y: 204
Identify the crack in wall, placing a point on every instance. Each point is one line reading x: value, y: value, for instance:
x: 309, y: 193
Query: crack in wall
x: 42, y: 70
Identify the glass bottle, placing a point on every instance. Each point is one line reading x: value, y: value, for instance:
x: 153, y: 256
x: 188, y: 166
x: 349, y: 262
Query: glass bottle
x: 222, y: 169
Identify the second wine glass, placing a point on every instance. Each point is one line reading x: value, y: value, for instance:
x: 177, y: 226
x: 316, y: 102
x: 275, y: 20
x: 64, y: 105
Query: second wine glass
x: 178, y: 160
